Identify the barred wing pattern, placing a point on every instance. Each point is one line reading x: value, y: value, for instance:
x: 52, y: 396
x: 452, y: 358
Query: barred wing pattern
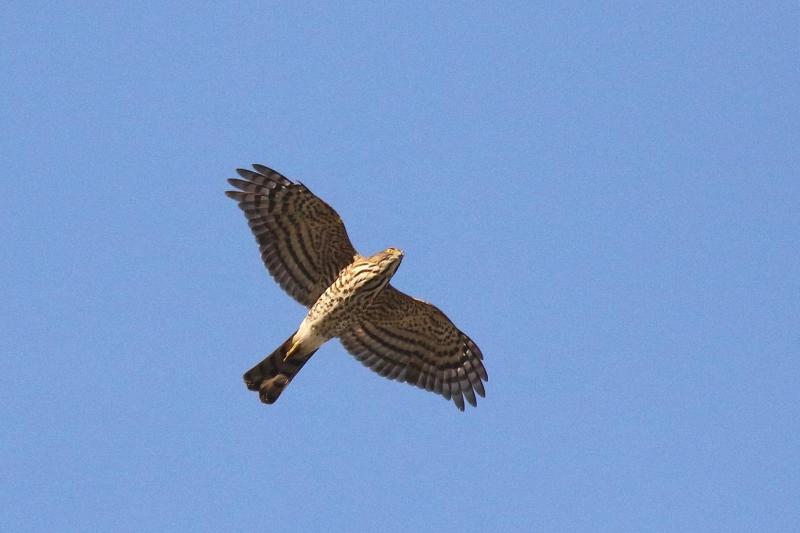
x: 302, y: 240
x: 412, y: 341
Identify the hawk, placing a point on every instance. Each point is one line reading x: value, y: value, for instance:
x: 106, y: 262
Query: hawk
x: 305, y: 247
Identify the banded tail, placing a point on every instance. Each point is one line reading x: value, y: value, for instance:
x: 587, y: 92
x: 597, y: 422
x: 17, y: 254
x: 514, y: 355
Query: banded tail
x: 276, y: 371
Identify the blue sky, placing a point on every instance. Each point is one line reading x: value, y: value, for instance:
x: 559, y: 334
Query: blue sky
x: 605, y: 197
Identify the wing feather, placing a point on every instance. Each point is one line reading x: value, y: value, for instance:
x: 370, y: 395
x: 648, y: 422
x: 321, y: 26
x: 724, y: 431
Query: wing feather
x: 302, y: 240
x: 412, y: 341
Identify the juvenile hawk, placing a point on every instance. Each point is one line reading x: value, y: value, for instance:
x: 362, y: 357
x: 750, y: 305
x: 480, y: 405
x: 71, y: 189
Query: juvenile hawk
x: 305, y: 247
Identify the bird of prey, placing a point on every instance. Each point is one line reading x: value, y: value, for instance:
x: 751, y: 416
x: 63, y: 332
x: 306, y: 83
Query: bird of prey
x: 305, y: 247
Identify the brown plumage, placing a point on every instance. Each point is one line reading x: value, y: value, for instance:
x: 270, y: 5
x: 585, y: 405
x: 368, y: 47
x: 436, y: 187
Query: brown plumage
x: 273, y: 374
x: 305, y: 247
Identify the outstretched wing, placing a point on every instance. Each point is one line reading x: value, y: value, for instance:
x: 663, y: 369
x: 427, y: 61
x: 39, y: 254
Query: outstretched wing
x: 413, y: 341
x: 302, y: 240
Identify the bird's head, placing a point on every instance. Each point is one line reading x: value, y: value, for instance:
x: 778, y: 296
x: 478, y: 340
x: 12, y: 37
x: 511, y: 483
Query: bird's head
x: 369, y: 275
x: 388, y: 260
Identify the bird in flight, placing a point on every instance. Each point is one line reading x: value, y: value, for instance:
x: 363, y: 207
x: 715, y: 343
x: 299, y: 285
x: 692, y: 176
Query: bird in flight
x: 305, y: 247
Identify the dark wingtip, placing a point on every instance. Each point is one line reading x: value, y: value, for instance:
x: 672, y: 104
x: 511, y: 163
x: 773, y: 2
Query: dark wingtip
x: 263, y: 169
x: 458, y: 398
x: 272, y: 174
x: 471, y: 399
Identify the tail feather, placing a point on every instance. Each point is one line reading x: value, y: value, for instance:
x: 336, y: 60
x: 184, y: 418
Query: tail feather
x: 275, y: 372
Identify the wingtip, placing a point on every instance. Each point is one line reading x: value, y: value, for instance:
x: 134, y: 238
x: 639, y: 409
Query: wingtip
x: 263, y: 169
x: 458, y: 398
x: 471, y: 399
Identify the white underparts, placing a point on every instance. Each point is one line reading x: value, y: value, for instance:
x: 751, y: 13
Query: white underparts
x: 308, y: 337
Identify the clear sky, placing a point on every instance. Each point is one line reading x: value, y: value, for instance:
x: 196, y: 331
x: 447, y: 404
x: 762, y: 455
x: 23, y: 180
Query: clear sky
x: 605, y: 198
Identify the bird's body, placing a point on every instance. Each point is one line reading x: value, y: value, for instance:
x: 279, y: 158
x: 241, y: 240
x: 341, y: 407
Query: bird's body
x: 305, y: 247
x: 348, y: 298
x: 337, y: 310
